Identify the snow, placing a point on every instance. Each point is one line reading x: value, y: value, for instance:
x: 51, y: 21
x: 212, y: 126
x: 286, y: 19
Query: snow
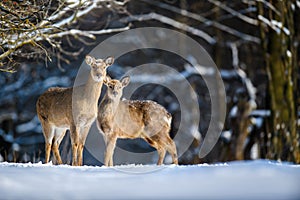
x: 233, y: 112
x: 258, y: 121
x: 228, y: 74
x: 289, y: 53
x: 54, y: 81
x: 261, y: 113
x: 6, y: 137
x: 254, y: 151
x: 274, y: 24
x: 227, y: 135
x: 260, y: 179
x: 286, y: 31
x: 293, y: 7
x: 203, y: 70
x: 28, y: 126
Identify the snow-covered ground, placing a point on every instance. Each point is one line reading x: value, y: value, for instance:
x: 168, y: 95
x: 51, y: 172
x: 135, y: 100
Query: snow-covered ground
x: 235, y: 180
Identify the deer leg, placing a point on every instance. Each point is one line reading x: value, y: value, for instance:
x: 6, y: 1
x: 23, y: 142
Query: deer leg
x: 82, y: 137
x: 153, y: 141
x: 48, y: 132
x: 111, y: 143
x: 161, y: 155
x: 55, y: 150
x: 171, y: 148
x: 60, y: 133
x: 110, y: 162
x: 74, y: 140
x: 47, y: 151
x: 79, y: 154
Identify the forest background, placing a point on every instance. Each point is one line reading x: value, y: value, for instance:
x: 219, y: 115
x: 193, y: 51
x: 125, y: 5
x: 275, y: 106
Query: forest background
x: 254, y: 43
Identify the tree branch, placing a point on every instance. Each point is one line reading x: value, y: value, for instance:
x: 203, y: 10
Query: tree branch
x: 233, y: 12
x: 206, y: 21
x: 171, y: 22
x: 60, y: 19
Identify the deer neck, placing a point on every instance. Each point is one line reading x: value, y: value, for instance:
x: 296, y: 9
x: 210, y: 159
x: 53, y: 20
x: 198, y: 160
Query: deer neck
x: 108, y: 107
x: 93, y: 90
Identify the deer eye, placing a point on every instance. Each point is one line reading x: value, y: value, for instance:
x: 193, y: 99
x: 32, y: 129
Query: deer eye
x: 94, y: 66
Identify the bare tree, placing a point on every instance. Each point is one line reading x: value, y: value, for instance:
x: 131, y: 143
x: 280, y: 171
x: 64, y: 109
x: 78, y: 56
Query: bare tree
x: 36, y: 29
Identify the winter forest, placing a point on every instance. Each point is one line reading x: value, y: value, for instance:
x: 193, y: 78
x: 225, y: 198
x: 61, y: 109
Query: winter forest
x: 254, y: 45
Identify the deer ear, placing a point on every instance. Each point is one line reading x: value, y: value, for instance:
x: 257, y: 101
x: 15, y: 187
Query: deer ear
x: 89, y: 59
x: 125, y: 81
x: 109, y: 61
x: 107, y: 79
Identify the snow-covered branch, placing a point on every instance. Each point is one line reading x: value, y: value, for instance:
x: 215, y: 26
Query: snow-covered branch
x: 275, y: 25
x: 37, y: 24
x: 251, y: 90
x: 235, y: 55
x: 204, y: 20
x: 269, y: 5
x: 245, y: 18
x: 171, y: 22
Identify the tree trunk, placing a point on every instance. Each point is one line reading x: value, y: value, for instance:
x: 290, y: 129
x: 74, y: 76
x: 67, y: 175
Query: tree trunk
x: 280, y: 58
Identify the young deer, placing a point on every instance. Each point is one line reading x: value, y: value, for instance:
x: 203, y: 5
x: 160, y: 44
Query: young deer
x: 133, y: 119
x: 59, y: 109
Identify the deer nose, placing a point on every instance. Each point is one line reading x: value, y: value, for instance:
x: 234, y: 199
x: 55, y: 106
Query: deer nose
x: 115, y: 93
x: 99, y: 75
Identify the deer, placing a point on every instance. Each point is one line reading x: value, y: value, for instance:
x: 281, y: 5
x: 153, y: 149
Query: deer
x: 74, y: 108
x: 132, y: 119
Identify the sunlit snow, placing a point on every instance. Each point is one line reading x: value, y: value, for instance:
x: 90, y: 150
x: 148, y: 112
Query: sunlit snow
x: 235, y: 180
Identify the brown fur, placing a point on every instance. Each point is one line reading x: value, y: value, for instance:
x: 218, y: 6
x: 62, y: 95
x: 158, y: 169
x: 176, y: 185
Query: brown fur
x: 59, y: 109
x: 134, y: 119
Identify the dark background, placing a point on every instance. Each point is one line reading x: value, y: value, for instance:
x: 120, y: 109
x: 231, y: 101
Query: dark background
x: 248, y: 132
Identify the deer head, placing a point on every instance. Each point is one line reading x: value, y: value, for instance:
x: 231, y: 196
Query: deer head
x: 115, y: 87
x: 98, y: 67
